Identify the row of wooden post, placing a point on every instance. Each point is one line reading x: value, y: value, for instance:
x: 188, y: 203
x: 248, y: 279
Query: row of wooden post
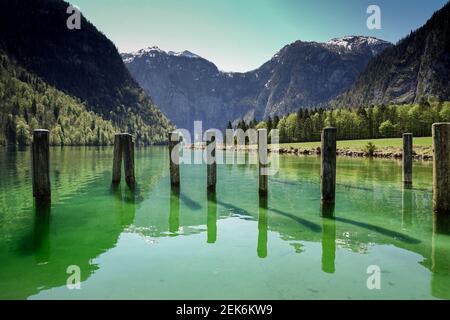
x: 124, y: 151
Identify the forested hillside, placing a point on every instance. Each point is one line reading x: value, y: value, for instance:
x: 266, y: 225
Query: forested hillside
x: 360, y: 123
x: 27, y: 103
x: 82, y: 63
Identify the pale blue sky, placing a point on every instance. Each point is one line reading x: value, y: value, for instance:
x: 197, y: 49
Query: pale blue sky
x: 240, y: 35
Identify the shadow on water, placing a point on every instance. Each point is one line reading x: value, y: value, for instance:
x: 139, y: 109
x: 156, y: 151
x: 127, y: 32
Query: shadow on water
x: 307, y: 224
x: 211, y: 220
x: 190, y: 203
x: 386, y: 232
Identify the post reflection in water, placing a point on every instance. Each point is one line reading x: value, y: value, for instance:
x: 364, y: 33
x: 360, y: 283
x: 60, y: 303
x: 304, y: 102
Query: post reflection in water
x: 211, y: 221
x: 262, y: 228
x: 407, y: 207
x: 125, y: 205
x: 328, y: 245
x: 41, y: 231
x: 440, y: 257
x: 174, y: 214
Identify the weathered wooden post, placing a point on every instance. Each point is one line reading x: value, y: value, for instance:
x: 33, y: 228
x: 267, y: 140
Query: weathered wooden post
x: 174, y: 159
x: 328, y: 167
x: 117, y: 159
x: 41, y: 165
x: 263, y: 162
x: 407, y: 159
x: 211, y: 171
x: 441, y: 168
x: 128, y: 155
x: 123, y: 149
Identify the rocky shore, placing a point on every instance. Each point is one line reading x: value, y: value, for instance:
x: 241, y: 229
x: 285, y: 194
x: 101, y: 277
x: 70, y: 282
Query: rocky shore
x: 387, y: 153
x: 420, y: 153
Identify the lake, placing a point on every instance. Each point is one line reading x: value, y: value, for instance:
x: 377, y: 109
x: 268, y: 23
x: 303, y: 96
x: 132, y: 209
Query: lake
x: 155, y: 244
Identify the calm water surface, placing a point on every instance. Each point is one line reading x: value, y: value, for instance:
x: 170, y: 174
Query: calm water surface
x: 157, y: 245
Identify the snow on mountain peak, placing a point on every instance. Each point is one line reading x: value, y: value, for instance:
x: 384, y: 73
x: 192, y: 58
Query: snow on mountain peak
x: 152, y: 51
x: 357, y: 42
x: 185, y: 53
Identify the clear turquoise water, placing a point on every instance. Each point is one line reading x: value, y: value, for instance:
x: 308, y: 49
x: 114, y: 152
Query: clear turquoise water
x: 158, y: 245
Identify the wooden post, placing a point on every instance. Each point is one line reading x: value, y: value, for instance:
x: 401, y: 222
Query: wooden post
x: 407, y: 159
x: 174, y: 159
x: 328, y: 166
x: 41, y: 165
x: 441, y: 168
x: 211, y: 173
x: 117, y: 160
x: 124, y: 150
x: 263, y: 162
x: 128, y: 155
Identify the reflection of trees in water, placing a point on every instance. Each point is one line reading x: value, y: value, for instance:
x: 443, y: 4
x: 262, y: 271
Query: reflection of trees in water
x: 72, y: 169
x: 84, y: 220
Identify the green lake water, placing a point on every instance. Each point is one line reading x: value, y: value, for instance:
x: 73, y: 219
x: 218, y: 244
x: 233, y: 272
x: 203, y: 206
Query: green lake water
x: 154, y: 244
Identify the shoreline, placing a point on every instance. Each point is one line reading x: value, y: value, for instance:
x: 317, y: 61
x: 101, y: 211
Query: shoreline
x: 387, y: 153
x: 392, y: 153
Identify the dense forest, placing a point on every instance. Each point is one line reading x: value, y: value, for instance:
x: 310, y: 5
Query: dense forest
x: 28, y: 103
x: 83, y: 63
x: 359, y: 123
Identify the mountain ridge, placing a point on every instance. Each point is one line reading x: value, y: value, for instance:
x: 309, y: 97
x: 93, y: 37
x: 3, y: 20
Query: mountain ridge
x: 81, y: 63
x: 415, y: 69
x: 188, y: 89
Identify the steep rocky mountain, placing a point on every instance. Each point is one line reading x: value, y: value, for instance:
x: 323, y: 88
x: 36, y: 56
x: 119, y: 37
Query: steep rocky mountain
x: 188, y: 87
x: 417, y: 68
x: 81, y: 63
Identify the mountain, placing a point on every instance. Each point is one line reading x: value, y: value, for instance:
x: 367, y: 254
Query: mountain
x: 188, y: 87
x: 415, y: 69
x: 28, y: 103
x: 81, y: 63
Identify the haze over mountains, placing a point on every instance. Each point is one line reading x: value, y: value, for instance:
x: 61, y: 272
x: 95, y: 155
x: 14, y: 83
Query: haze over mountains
x: 187, y: 87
